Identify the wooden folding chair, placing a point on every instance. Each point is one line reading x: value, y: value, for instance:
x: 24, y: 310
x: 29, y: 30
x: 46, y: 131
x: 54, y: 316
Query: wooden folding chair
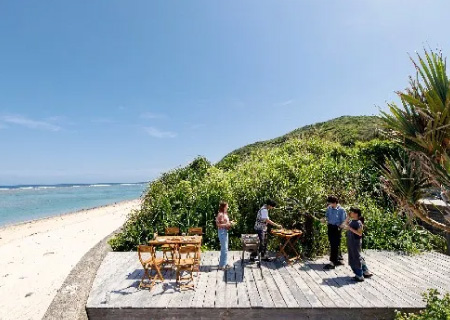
x: 167, y: 248
x: 185, y: 261
x: 195, y: 231
x: 172, y: 231
x: 150, y: 263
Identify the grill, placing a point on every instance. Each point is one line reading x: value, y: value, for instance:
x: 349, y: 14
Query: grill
x: 250, y: 243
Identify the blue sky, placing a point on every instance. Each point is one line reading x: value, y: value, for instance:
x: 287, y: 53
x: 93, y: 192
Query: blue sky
x: 120, y: 91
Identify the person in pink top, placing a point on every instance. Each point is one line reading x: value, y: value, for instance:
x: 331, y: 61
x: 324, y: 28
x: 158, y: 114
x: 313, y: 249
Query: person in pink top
x: 223, y: 224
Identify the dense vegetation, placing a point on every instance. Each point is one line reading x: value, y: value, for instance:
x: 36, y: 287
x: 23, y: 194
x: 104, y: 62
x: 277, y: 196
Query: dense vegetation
x: 298, y: 173
x: 438, y: 308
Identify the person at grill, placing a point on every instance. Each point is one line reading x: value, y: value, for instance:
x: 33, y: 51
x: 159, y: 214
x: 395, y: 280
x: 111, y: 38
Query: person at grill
x: 354, y: 227
x: 223, y: 223
x: 262, y: 220
x: 335, y: 217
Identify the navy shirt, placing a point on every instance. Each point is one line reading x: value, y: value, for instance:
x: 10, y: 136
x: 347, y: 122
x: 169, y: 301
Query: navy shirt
x: 355, y: 224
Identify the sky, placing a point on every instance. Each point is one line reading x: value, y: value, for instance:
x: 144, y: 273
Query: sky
x: 121, y: 91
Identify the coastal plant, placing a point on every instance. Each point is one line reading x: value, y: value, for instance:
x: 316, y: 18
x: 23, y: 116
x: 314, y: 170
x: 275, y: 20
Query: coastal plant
x: 421, y: 124
x: 437, y: 308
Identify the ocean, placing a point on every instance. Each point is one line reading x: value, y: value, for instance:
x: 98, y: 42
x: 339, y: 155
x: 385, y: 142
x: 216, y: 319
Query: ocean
x: 30, y: 202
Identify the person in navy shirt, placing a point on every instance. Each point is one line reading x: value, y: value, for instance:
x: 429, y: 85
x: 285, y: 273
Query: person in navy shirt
x: 354, y: 227
x: 335, y: 217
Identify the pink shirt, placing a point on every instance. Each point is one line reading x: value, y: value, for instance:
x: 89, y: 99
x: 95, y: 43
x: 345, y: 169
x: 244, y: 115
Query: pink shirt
x: 222, y: 218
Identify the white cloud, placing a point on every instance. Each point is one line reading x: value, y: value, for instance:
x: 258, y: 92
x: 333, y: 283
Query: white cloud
x: 30, y: 123
x: 151, y: 115
x: 154, y: 132
x: 284, y: 103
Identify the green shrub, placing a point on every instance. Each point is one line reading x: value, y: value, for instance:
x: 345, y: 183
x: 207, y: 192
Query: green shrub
x: 437, y: 308
x: 298, y: 174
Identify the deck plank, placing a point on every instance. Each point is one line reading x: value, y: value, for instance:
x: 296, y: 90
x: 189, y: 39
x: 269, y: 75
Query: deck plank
x: 243, y: 299
x: 263, y: 290
x: 272, y: 287
x: 409, y: 289
x: 303, y: 294
x: 384, y: 293
x: 428, y: 260
x: 337, y: 283
x: 287, y: 294
x: 323, y: 293
x: 365, y: 289
x: 201, y: 285
x: 231, y: 276
x: 400, y: 269
x: 434, y: 273
x: 213, y: 278
x: 250, y: 283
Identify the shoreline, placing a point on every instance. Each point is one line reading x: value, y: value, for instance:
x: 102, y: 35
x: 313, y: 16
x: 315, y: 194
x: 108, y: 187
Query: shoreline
x: 59, y: 215
x: 38, y: 255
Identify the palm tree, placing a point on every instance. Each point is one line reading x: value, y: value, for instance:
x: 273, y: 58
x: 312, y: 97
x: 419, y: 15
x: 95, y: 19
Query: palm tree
x: 422, y: 125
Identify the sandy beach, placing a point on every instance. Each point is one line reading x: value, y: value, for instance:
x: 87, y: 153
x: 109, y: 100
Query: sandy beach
x: 37, y: 256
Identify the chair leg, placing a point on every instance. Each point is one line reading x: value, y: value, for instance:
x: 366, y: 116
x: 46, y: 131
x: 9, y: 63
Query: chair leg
x: 146, y: 276
x: 187, y: 281
x: 158, y: 271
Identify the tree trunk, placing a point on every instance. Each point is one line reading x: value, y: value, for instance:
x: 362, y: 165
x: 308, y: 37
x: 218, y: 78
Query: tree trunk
x: 418, y: 212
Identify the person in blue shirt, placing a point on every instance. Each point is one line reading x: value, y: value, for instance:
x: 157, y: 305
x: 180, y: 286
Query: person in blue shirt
x: 335, y: 217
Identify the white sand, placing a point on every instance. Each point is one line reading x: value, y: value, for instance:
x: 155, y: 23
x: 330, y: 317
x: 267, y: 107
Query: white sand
x: 37, y: 256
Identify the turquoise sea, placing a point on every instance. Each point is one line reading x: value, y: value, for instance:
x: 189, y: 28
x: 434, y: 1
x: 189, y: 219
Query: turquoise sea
x: 29, y: 202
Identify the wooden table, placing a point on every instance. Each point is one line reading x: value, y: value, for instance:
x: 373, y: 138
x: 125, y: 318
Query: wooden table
x: 175, y: 242
x: 287, y: 238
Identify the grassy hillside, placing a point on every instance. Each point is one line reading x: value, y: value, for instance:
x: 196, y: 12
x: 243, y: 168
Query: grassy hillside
x: 346, y: 130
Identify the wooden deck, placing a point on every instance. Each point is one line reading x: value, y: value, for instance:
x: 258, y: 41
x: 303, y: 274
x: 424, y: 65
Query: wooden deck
x: 277, y: 291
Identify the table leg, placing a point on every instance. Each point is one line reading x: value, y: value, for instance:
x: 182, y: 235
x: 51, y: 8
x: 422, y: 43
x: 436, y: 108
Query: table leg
x: 294, y: 249
x: 283, y: 252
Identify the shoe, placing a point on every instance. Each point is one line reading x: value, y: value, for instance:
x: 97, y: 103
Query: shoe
x: 252, y: 259
x: 339, y: 263
x: 329, y: 266
x: 368, y: 275
x: 358, y: 279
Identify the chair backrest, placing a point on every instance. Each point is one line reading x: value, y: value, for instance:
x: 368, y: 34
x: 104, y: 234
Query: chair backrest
x: 195, y: 231
x: 190, y: 250
x: 148, y: 251
x: 172, y: 231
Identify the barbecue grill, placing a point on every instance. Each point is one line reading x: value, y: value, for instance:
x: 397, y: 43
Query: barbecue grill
x: 250, y: 243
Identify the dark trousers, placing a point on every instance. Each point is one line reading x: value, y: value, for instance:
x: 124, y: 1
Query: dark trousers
x: 334, y: 237
x: 262, y: 235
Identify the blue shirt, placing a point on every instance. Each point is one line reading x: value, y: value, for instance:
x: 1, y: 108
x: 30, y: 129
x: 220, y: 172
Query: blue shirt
x: 336, y: 216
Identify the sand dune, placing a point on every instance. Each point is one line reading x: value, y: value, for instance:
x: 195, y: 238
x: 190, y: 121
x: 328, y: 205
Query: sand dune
x: 37, y: 256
